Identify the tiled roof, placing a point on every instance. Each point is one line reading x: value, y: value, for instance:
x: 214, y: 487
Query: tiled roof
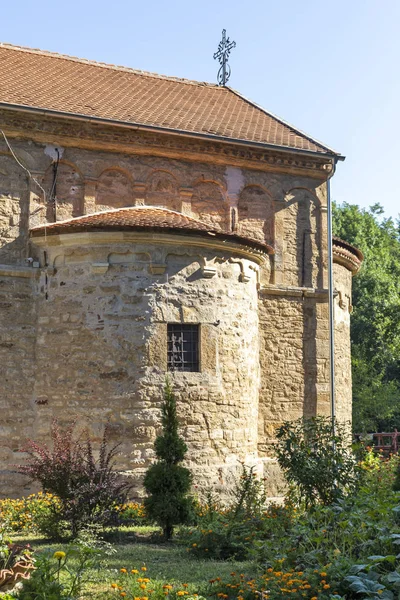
x: 138, y: 218
x: 45, y: 80
x: 347, y: 254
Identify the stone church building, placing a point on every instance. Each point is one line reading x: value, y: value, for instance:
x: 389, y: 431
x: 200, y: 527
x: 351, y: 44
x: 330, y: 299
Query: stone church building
x: 154, y: 226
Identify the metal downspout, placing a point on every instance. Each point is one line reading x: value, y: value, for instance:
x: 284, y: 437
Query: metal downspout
x: 331, y: 302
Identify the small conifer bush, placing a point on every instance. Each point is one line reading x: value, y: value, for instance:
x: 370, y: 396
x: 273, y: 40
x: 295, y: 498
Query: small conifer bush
x: 168, y: 483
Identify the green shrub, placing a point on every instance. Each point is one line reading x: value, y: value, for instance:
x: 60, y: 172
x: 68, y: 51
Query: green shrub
x: 231, y: 532
x: 30, y: 513
x: 61, y: 575
x: 344, y: 538
x: 132, y: 513
x: 318, y: 465
x: 167, y: 482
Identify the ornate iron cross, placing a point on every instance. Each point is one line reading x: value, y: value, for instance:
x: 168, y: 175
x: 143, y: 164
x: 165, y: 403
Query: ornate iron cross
x: 224, y: 48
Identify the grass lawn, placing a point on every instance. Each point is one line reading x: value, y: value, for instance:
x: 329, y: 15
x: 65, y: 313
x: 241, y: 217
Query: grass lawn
x: 165, y: 562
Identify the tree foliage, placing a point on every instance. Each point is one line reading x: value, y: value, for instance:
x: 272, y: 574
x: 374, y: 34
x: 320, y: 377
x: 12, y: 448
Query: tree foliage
x: 317, y: 464
x: 166, y: 481
x: 375, y: 325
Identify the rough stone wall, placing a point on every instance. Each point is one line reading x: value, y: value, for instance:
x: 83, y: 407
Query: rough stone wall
x: 17, y: 351
x: 14, y: 207
x: 343, y: 308
x: 101, y: 352
x: 99, y: 349
x: 284, y: 210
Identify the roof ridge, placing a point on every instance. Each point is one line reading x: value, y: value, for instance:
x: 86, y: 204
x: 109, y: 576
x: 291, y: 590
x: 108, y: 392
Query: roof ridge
x: 115, y: 210
x: 104, y: 65
x: 283, y: 122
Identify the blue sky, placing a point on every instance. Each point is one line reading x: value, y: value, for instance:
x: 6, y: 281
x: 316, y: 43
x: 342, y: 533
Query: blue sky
x: 329, y: 68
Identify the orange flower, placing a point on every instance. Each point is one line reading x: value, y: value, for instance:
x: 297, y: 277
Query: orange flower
x: 123, y: 571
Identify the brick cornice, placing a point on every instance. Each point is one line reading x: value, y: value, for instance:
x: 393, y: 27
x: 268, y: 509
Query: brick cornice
x: 42, y: 128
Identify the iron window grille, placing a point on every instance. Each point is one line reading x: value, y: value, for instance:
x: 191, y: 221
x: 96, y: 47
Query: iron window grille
x: 183, y: 347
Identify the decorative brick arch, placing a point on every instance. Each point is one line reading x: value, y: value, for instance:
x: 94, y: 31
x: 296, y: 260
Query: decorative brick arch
x: 209, y: 204
x: 114, y: 189
x: 163, y: 190
x: 69, y: 190
x: 256, y: 214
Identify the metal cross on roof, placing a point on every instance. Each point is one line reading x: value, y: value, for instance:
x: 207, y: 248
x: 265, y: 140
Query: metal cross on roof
x: 224, y: 48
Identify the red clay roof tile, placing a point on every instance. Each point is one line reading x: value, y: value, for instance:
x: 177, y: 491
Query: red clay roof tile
x: 45, y: 80
x: 140, y: 218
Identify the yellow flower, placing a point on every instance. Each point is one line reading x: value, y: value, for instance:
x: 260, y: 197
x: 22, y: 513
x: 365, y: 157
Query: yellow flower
x: 144, y: 568
x: 326, y: 586
x: 114, y: 585
x: 135, y: 572
x: 180, y: 593
x: 123, y: 594
x: 59, y: 555
x: 143, y: 586
x: 123, y: 571
x: 323, y: 574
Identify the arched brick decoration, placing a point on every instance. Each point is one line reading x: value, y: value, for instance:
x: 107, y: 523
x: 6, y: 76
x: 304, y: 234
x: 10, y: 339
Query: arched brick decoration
x: 256, y: 214
x: 113, y: 190
x: 69, y: 191
x: 163, y: 191
x: 209, y: 205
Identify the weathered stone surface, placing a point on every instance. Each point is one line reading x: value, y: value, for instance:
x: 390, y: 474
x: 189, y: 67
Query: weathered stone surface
x: 85, y: 333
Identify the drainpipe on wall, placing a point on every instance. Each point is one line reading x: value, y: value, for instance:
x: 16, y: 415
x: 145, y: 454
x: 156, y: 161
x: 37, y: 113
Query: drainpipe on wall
x: 331, y: 300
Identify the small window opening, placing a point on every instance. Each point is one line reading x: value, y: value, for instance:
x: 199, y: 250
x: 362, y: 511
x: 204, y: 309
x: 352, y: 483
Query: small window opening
x: 183, y: 347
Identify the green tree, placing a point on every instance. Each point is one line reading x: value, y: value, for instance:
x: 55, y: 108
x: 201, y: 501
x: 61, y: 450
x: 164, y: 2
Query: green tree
x: 168, y: 483
x: 375, y: 324
x: 318, y: 465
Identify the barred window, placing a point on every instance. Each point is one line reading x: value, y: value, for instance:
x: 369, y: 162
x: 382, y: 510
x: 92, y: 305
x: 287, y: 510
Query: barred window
x: 183, y: 347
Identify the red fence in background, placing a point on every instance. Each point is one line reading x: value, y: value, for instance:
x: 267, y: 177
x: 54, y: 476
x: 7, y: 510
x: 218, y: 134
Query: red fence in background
x: 387, y: 442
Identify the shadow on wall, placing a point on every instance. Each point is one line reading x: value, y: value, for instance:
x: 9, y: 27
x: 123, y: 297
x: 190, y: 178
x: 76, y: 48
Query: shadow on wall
x: 303, y: 255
